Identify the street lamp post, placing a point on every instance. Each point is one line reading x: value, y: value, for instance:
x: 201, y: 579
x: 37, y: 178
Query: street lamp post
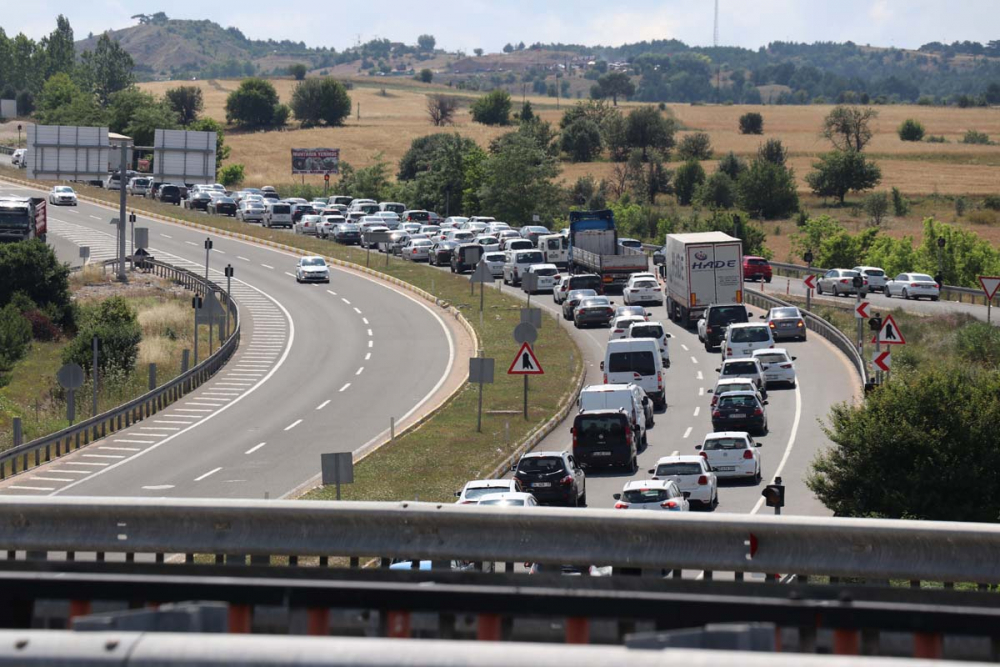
x: 229, y: 296
x: 208, y: 250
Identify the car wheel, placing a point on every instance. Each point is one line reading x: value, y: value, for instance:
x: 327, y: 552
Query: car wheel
x: 757, y: 477
x: 767, y: 280
x: 906, y: 295
x: 634, y: 466
x: 582, y: 500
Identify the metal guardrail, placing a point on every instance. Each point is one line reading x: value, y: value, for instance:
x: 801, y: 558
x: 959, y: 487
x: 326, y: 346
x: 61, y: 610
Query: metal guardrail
x: 7, y: 150
x: 26, y: 456
x: 816, y: 323
x: 874, y: 550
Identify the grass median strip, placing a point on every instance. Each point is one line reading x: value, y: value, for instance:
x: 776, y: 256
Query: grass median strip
x: 435, y: 459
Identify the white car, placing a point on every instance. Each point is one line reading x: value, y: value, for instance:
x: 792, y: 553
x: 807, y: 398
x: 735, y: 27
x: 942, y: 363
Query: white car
x: 62, y: 195
x: 250, y: 210
x: 643, y: 290
x: 312, y: 270
x: 651, y: 494
x: 778, y: 366
x: 308, y: 225
x: 494, y: 261
x: 139, y: 186
x: 693, y: 476
x: 913, y: 286
x: 620, y: 325
x: 875, y: 275
x: 547, y: 275
x: 508, y: 500
x: 654, y: 330
x: 477, y: 488
x: 746, y: 368
x: 324, y: 228
x: 744, y: 338
x: 19, y: 158
x: 416, y: 250
x: 489, y: 243
x: 725, y: 385
x: 732, y: 454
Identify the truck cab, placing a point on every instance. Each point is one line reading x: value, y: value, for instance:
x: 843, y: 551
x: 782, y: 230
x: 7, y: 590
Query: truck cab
x: 23, y: 218
x: 555, y: 249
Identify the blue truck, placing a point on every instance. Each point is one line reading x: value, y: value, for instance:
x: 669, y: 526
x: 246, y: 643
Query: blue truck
x: 594, y: 248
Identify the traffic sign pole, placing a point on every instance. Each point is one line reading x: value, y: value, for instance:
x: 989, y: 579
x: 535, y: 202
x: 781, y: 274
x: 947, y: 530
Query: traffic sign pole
x: 990, y: 286
x: 525, y: 398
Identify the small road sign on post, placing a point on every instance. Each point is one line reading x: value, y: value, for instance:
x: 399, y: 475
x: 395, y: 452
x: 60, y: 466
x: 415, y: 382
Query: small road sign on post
x: 532, y: 316
x: 990, y: 286
x: 810, y: 282
x: 889, y: 334
x: 861, y: 312
x: 480, y: 372
x: 70, y: 378
x: 526, y: 364
x: 525, y: 333
x: 337, y: 469
x: 883, y: 360
x: 481, y: 275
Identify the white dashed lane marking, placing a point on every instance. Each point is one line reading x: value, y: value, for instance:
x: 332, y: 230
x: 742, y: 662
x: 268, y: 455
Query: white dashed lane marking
x: 255, y: 448
x: 207, y: 474
x: 293, y: 424
x: 344, y: 388
x: 323, y: 404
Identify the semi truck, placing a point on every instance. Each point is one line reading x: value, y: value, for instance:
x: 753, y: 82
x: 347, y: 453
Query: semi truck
x: 701, y: 269
x: 594, y: 248
x: 23, y: 218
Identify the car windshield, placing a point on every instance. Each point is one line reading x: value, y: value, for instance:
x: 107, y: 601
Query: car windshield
x: 716, y: 444
x: 577, y: 295
x: 494, y: 257
x: 727, y: 314
x: 585, y: 282
x: 313, y: 261
x: 595, y: 302
x: 546, y: 272
x: 503, y: 502
x: 597, y: 429
x: 728, y: 401
x: 645, y: 495
x: 480, y: 491
x: 691, y: 468
x: 632, y: 362
x: 64, y: 188
x: 740, y: 368
x: 772, y: 358
x: 540, y: 464
x: 750, y: 335
x: 781, y: 313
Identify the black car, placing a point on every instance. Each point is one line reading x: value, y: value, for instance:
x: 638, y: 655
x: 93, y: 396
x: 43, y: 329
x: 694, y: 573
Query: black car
x: 717, y: 318
x: 199, y: 200
x: 605, y: 439
x: 573, y: 300
x: 740, y: 411
x: 553, y: 478
x: 300, y: 210
x: 594, y: 310
x: 441, y: 253
x: 347, y: 233
x: 465, y: 257
x: 169, y: 194
x: 222, y: 206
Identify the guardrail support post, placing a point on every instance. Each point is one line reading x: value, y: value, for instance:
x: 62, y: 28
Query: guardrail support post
x: 398, y: 624
x: 78, y: 608
x: 17, y: 431
x: 318, y: 622
x: 846, y: 642
x: 240, y: 618
x: 577, y: 630
x: 488, y: 628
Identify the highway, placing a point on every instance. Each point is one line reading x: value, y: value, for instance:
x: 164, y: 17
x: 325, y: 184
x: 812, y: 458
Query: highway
x: 310, y: 375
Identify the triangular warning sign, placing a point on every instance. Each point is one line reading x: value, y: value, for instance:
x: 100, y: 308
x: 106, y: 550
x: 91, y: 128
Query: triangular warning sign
x: 482, y: 274
x: 889, y: 334
x: 990, y: 285
x: 525, y: 363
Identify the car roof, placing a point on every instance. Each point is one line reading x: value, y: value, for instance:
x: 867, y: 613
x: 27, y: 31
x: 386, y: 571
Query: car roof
x: 725, y: 381
x: 608, y: 387
x: 684, y: 458
x: 543, y: 266
x: 600, y: 413
x: 313, y: 257
x: 738, y: 393
x: 633, y: 343
x: 543, y: 455
x: 647, y: 484
x: 772, y: 350
x: 718, y: 435
x: 508, y: 495
x: 746, y: 325
x: 735, y: 359
x: 485, y: 483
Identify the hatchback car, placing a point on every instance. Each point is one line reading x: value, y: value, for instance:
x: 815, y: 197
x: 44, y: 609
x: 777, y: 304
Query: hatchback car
x: 508, y: 500
x: 786, y: 322
x: 546, y: 274
x: 778, y: 366
x: 329, y: 222
x: 717, y: 318
x: 440, y: 254
x: 724, y: 385
x: 732, y: 454
x: 573, y: 299
x: 477, y: 488
x: 595, y: 310
x: 198, y: 201
x: 745, y: 338
x: 693, y: 476
x: 568, y: 282
x: 222, y: 206
x: 312, y: 270
x: 876, y: 277
x: 250, y: 211
x: 553, y: 478
x: 740, y: 410
x: 650, y: 494
x: 840, y: 282
x: 748, y: 369
x: 495, y: 261
x: 308, y: 225
x: 347, y: 233
x: 643, y: 290
x: 913, y: 286
x: 620, y: 325
x: 756, y: 269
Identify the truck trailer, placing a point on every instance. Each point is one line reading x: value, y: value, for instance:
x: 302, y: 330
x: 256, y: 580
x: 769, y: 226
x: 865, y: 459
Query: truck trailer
x: 594, y: 248
x: 701, y: 269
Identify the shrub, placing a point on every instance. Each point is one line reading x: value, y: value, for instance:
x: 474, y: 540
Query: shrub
x: 25, y: 103
x: 751, y: 123
x: 876, y: 206
x: 298, y: 70
x: 773, y: 151
x: 697, y: 146
x: 255, y: 105
x: 911, y: 130
x: 232, y: 174
x: 976, y: 137
x: 979, y: 343
x: 318, y: 101
x: 688, y: 178
x: 936, y: 139
x: 492, y: 109
x: 42, y: 328
x: 117, y: 328
x: 425, y: 76
x: 961, y: 204
x: 986, y: 218
x: 15, y: 336
x: 719, y: 191
x: 581, y: 140
x: 732, y: 165
x: 31, y: 268
x: 992, y: 202
x: 900, y: 207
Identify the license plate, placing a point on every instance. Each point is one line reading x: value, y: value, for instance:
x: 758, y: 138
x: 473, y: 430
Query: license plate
x: 725, y: 468
x: 602, y: 454
x: 738, y: 415
x: 542, y: 485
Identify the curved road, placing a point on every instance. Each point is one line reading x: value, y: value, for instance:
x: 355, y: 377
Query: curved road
x: 311, y: 376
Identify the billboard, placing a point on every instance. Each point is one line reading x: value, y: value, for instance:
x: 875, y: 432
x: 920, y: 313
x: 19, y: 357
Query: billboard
x: 8, y: 109
x: 315, y: 160
x: 180, y: 156
x: 67, y: 152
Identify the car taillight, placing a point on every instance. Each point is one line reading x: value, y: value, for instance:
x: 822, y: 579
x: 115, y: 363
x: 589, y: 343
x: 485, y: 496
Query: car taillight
x: 621, y: 506
x: 708, y: 329
x: 605, y: 378
x: 414, y: 251
x: 628, y: 436
x: 914, y: 284
x: 659, y: 380
x: 619, y: 331
x: 610, y: 312
x: 844, y: 281
x: 716, y: 413
x: 704, y: 455
x: 757, y: 412
x: 715, y: 399
x: 567, y: 480
x: 729, y: 351
x: 669, y: 504
x: 575, y: 442
x: 748, y: 455
x: 771, y: 324
x: 785, y: 366
x: 800, y: 323
x: 703, y: 480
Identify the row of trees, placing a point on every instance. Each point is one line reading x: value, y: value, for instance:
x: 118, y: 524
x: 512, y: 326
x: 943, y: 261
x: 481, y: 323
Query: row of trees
x: 316, y: 101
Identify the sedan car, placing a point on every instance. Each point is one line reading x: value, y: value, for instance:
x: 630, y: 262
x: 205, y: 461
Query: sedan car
x: 222, y: 206
x: 650, y: 494
x: 312, y: 270
x: 593, y: 310
x: 913, y: 286
x: 250, y: 211
x: 741, y: 410
x: 622, y: 311
x: 508, y: 500
x: 347, y: 233
x: 553, y: 478
x: 840, y: 282
x: 732, y: 454
x: 546, y: 274
x: 417, y: 250
x: 489, y: 243
x: 573, y: 300
x: 747, y: 369
x: 477, y: 488
x: 62, y: 195
x: 786, y: 322
x: 693, y: 476
x: 778, y: 366
x: 441, y: 253
x: 620, y: 325
x: 642, y: 291
x: 198, y: 201
x: 307, y: 225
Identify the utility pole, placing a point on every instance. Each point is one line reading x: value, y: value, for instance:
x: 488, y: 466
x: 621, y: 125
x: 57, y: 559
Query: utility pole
x: 229, y: 294
x: 809, y: 262
x: 208, y: 250
x: 122, y: 276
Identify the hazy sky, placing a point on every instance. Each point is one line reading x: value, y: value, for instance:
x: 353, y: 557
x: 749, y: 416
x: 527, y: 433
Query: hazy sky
x: 467, y: 24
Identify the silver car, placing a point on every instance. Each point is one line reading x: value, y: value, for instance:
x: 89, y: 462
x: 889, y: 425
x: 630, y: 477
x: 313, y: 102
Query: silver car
x: 913, y: 286
x: 841, y: 282
x: 312, y: 270
x: 250, y: 210
x: 416, y: 250
x: 786, y: 322
x: 308, y: 225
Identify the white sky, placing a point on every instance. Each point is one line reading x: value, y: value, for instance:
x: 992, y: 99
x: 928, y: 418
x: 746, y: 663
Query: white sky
x: 467, y: 24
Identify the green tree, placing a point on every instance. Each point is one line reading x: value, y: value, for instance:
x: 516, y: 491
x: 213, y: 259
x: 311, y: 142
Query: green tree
x: 115, y: 324
x: 107, y: 69
x: 60, y: 54
x: 900, y: 206
x: 840, y: 172
x: 613, y: 85
x: 773, y: 151
x: 767, y: 190
x: 581, y: 140
x: 426, y: 43
x: 697, y: 146
x: 751, y: 123
x: 849, y: 128
x: 370, y: 182
x: 732, y: 165
x: 138, y: 114
x: 321, y: 100
x: 436, y: 166
x: 718, y: 191
x: 61, y: 102
x: 232, y: 175
x: 32, y: 269
x: 492, y: 108
x: 15, y: 337
x: 478, y: 52
x: 518, y: 182
x: 187, y: 102
x: 647, y: 129
x: 911, y: 130
x: 687, y: 180
x: 298, y: 70
x: 253, y: 105
x: 508, y: 48
x: 876, y: 206
x: 527, y: 112
x: 425, y: 75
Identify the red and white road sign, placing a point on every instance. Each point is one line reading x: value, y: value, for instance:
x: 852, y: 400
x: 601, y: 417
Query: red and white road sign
x: 889, y: 334
x: 810, y: 282
x: 525, y: 363
x: 861, y: 312
x: 882, y: 360
x: 990, y: 285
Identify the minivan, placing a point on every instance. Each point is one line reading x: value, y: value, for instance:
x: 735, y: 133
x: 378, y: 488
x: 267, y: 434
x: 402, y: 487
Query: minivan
x: 392, y: 206
x: 555, y: 247
x: 278, y: 214
x: 465, y: 257
x: 605, y: 439
x: 517, y: 262
x: 636, y: 360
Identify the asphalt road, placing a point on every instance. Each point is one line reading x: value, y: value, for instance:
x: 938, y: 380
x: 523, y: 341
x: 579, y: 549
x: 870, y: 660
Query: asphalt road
x: 311, y: 376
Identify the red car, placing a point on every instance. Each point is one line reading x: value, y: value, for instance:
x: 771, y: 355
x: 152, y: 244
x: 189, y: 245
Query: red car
x: 756, y: 269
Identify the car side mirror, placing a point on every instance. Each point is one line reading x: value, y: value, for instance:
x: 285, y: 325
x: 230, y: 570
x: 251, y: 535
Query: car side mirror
x: 687, y: 494
x: 571, y: 429
x: 697, y: 446
x: 458, y: 494
x: 709, y: 391
x: 617, y: 496
x: 602, y: 365
x: 765, y: 402
x: 718, y: 370
x: 669, y: 335
x: 794, y: 358
x: 763, y: 317
x: 652, y: 471
x: 645, y: 400
x: 760, y: 444
x: 612, y: 303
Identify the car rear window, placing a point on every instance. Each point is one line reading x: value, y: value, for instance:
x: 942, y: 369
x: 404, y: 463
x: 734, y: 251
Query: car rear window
x: 750, y: 335
x: 585, y: 282
x: 418, y: 216
x: 779, y: 313
x: 647, y: 331
x: 679, y: 469
x: 281, y: 209
x: 735, y: 386
x: 772, y: 358
x: 503, y: 503
x: 540, y: 465
x: 737, y: 401
x: 547, y: 272
x: 717, y: 444
x: 645, y: 284
x: 529, y: 258
x: 645, y: 495
x: 727, y: 315
x: 632, y: 362
x: 739, y: 368
x: 480, y: 491
x: 598, y: 429
x: 494, y: 257
x: 874, y: 272
x: 757, y: 262
x: 921, y: 277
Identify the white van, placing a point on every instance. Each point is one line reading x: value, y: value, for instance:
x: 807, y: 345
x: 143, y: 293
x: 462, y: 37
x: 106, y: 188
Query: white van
x: 555, y: 249
x: 278, y: 214
x: 636, y: 360
x: 629, y: 397
x: 744, y: 338
x: 653, y: 331
x: 517, y: 263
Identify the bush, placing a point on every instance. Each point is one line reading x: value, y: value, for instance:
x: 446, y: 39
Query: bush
x: 718, y: 192
x: 255, y: 105
x: 986, y: 218
x: 876, y: 207
x: 318, y: 101
x: 232, y: 174
x: 298, y: 70
x: 979, y: 343
x: 751, y: 123
x: 773, y: 151
x: 976, y: 137
x: 492, y: 109
x: 15, y: 336
x: 688, y: 178
x: 31, y: 268
x: 961, y: 204
x: 911, y: 130
x: 697, y: 146
x: 732, y: 165
x: 581, y: 140
x: 25, y: 103
x: 900, y: 206
x: 767, y: 190
x: 425, y: 76
x: 992, y: 202
x: 42, y: 328
x: 117, y: 328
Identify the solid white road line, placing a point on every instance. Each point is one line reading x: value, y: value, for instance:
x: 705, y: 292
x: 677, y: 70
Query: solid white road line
x: 70, y: 472
x: 51, y: 479
x: 84, y: 463
x: 344, y: 388
x: 687, y: 432
x: 32, y: 488
x: 210, y: 472
x: 293, y: 424
x: 121, y: 449
x: 158, y: 428
x: 254, y: 448
x: 788, y: 447
x: 323, y: 404
x: 102, y: 456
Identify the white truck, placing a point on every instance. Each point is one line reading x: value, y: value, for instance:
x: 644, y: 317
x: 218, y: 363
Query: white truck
x: 701, y: 269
